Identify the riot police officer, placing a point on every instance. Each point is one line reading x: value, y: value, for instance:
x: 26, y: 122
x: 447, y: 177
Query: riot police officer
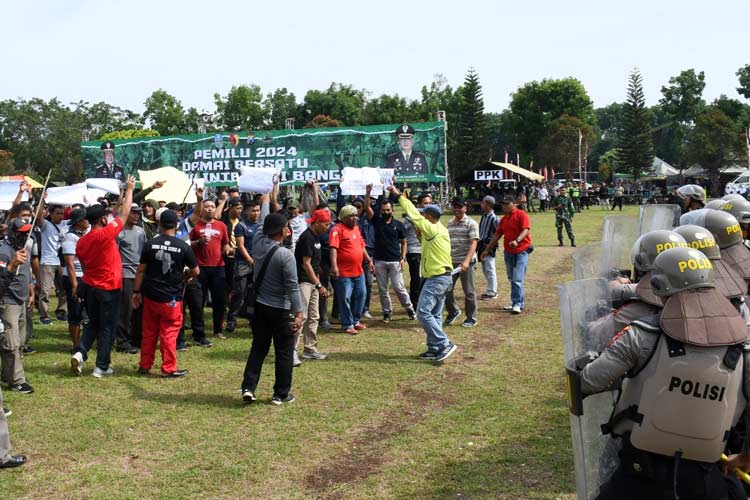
x: 109, y: 168
x: 406, y: 161
x: 683, y: 377
x: 692, y: 197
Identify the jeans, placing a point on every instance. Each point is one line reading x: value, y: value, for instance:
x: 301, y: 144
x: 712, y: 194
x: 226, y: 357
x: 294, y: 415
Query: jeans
x: 270, y: 324
x: 490, y: 274
x: 75, y: 308
x: 430, y: 311
x: 470, y: 294
x: 515, y: 268
x: 213, y: 279
x: 103, y: 307
x: 415, y: 280
x: 350, y: 294
x: 368, y: 281
x: 391, y: 272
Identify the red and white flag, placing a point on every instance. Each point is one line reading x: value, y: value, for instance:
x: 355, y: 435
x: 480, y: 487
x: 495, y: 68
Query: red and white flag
x: 506, y: 155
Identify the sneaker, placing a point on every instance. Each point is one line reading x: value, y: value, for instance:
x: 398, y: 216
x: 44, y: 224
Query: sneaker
x: 295, y: 360
x: 445, y: 352
x: 314, y: 355
x: 509, y: 307
x: 8, y: 412
x: 412, y: 314
x: 351, y: 331
x: 469, y: 323
x: 248, y: 396
x: 230, y: 327
x: 99, y: 373
x: 182, y: 347
x: 76, y: 363
x: 452, y: 318
x: 175, y: 374
x: 204, y: 342
x: 23, y: 388
x: 220, y: 336
x: 428, y: 356
x: 278, y: 400
x: 61, y: 316
x: 486, y: 296
x: 28, y: 350
x: 516, y: 309
x: 387, y: 317
x: 367, y: 315
x: 46, y: 321
x: 360, y: 326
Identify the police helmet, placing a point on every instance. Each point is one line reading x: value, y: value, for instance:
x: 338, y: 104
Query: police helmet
x: 715, y: 204
x: 680, y: 269
x: 737, y: 206
x: 734, y: 197
x: 723, y: 225
x: 651, y: 244
x: 692, y: 191
x: 701, y: 239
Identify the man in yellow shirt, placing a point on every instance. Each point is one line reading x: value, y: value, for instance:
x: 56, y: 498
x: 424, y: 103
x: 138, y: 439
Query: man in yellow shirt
x: 436, y: 267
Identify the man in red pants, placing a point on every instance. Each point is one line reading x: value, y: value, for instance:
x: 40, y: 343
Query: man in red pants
x: 166, y: 264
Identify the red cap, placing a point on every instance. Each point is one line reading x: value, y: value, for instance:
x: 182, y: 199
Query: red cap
x: 320, y: 215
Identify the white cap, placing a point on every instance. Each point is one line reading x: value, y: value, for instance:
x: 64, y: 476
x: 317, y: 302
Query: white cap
x: 160, y: 211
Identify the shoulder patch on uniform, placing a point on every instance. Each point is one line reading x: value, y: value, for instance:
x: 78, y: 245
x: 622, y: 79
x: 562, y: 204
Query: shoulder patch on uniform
x: 618, y: 335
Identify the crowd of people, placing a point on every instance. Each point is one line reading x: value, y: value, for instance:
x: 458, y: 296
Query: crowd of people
x: 136, y: 272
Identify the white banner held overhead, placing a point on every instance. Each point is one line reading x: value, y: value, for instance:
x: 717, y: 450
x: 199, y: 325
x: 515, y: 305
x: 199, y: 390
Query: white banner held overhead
x: 354, y: 181
x: 111, y: 186
x: 8, y: 193
x: 256, y: 180
x: 69, y: 195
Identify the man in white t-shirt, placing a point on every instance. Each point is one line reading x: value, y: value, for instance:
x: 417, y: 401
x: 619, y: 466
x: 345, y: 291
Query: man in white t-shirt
x: 543, y: 197
x: 53, y: 231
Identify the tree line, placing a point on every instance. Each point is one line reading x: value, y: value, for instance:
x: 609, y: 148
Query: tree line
x: 543, y: 123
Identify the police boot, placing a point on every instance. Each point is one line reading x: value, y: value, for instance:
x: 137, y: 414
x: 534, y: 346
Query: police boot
x: 561, y: 242
x: 572, y: 242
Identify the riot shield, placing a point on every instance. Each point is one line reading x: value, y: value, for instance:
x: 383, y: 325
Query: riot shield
x: 653, y: 217
x: 595, y: 455
x: 602, y: 259
x: 587, y: 261
x: 618, y: 235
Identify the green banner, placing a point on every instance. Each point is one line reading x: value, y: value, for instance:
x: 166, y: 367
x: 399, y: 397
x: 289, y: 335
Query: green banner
x: 299, y: 155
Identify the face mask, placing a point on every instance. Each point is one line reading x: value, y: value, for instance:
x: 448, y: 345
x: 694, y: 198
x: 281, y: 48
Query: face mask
x: 387, y: 216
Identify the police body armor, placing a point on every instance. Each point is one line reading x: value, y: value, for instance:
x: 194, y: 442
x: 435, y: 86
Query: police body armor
x: 683, y: 400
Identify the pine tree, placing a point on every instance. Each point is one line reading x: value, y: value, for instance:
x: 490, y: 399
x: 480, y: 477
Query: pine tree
x: 472, y: 132
x: 635, y: 149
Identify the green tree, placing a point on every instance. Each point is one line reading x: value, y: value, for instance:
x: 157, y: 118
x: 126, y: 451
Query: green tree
x: 536, y: 104
x: 323, y: 121
x: 7, y: 165
x: 715, y: 143
x: 241, y: 109
x: 340, y: 102
x: 471, y: 145
x: 165, y: 113
x: 635, y: 149
x: 278, y: 106
x: 389, y: 109
x: 129, y: 133
x: 681, y: 102
x: 743, y: 74
x: 560, y: 146
x: 738, y: 111
x: 608, y: 124
x: 607, y: 163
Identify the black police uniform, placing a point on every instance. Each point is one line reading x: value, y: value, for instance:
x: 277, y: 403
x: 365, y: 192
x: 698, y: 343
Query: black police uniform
x: 415, y: 164
x: 116, y: 171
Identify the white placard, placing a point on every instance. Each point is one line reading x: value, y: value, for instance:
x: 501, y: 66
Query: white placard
x: 8, y: 193
x: 69, y: 195
x: 111, y: 186
x: 256, y: 180
x: 354, y: 181
x: 177, y: 187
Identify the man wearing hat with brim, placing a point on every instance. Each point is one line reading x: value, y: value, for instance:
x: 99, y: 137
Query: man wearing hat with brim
x: 515, y: 229
x: 436, y: 267
x: 406, y: 162
x: 13, y: 306
x: 109, y: 168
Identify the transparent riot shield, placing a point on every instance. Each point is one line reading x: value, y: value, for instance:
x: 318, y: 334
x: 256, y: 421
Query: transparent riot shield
x: 595, y: 455
x: 653, y: 217
x: 602, y: 259
x: 587, y: 261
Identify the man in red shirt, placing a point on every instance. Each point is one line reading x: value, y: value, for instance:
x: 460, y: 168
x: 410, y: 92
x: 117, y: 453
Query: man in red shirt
x: 210, y: 242
x: 515, y: 229
x: 99, y: 255
x: 347, y: 255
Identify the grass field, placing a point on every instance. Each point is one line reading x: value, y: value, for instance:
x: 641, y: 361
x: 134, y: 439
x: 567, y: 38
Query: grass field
x: 370, y: 422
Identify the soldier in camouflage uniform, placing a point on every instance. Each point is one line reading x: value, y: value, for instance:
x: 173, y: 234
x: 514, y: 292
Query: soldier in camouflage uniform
x: 564, y: 211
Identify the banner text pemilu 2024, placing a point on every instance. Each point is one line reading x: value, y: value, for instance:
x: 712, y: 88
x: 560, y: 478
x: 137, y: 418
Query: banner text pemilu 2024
x: 299, y: 155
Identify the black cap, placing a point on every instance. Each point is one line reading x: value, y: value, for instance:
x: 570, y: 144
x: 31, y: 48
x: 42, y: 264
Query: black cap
x: 77, y: 216
x: 19, y: 226
x: 508, y: 198
x: 108, y: 146
x: 168, y: 219
x: 274, y: 224
x: 234, y: 202
x: 173, y: 205
x: 405, y: 129
x: 95, y: 212
x: 458, y: 200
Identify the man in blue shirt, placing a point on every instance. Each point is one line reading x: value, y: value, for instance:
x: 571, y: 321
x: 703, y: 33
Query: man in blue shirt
x: 244, y: 232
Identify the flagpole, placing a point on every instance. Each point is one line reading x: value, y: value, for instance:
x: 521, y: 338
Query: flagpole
x: 580, y: 137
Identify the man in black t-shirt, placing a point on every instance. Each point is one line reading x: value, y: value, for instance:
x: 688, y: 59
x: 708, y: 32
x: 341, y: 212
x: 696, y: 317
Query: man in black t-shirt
x: 390, y: 255
x: 167, y: 263
x: 307, y: 253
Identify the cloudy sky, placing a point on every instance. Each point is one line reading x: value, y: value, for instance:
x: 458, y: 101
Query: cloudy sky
x: 120, y: 52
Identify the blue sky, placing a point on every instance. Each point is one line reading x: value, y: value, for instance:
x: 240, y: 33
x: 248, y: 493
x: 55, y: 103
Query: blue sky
x: 119, y: 52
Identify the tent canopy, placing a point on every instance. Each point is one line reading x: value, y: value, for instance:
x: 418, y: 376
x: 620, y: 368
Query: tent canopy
x: 660, y: 168
x: 520, y: 171
x: 34, y: 184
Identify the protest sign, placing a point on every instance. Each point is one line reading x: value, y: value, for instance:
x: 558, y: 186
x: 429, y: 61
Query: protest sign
x: 256, y: 180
